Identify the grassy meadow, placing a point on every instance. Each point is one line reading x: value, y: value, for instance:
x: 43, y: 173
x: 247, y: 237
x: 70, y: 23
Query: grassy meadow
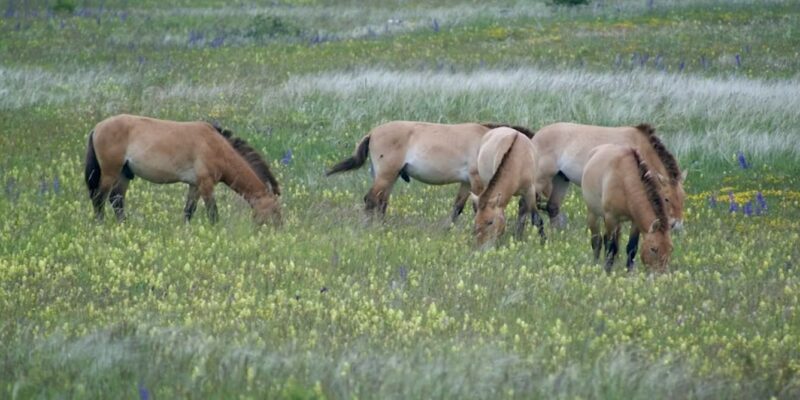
x: 329, y: 306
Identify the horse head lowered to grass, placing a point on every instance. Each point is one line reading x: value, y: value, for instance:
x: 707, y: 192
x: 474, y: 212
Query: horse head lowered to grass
x: 506, y: 163
x: 160, y: 151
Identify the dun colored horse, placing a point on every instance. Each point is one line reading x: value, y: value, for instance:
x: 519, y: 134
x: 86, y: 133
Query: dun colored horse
x: 564, y: 150
x: 436, y: 154
x: 618, y: 185
x: 160, y: 151
x: 506, y: 160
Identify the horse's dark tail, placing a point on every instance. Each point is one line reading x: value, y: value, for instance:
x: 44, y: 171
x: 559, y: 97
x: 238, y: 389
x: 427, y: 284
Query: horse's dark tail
x: 92, y: 172
x: 353, y: 162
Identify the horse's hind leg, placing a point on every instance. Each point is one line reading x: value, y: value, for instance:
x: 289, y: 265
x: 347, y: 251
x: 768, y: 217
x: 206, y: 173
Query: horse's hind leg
x: 377, y: 199
x: 191, y: 202
x: 107, y: 183
x: 633, y: 245
x: 559, y: 191
x: 117, y: 198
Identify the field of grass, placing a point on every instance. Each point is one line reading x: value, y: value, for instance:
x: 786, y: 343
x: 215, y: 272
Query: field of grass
x: 330, y: 307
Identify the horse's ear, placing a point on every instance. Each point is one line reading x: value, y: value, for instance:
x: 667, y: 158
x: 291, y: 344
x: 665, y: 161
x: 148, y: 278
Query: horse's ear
x: 655, y: 226
x: 496, y: 200
x: 475, y: 198
x: 661, y: 179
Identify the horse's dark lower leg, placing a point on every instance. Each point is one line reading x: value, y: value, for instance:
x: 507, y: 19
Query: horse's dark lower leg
x: 206, y: 190
x: 538, y: 222
x: 612, y: 247
x: 117, y: 199
x: 118, y: 204
x: 553, y: 207
x: 98, y: 201
x: 461, y: 200
x: 597, y: 243
x: 191, y: 203
x: 211, y: 209
x: 522, y: 217
x: 376, y: 201
x: 630, y: 249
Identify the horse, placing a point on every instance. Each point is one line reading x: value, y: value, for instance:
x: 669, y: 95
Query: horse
x: 618, y: 185
x: 436, y: 154
x: 160, y: 151
x: 506, y: 161
x: 564, y: 150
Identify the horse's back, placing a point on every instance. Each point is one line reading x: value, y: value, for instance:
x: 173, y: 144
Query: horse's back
x: 158, y: 150
x: 568, y: 144
x: 430, y: 152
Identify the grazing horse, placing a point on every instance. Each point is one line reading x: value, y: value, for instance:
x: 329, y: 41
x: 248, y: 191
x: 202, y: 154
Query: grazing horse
x: 436, y: 154
x: 564, y: 150
x: 506, y: 161
x: 618, y: 185
x: 196, y: 153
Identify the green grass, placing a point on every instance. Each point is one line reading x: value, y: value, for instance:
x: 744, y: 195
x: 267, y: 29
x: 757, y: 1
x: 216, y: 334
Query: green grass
x: 330, y: 307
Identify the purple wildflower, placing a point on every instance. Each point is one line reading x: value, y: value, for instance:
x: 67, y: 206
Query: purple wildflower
x: 733, y: 207
x: 682, y: 65
x: 144, y: 394
x: 403, y: 272
x: 435, y: 25
x: 56, y: 184
x: 742, y: 160
x: 748, y: 209
x: 218, y: 41
x: 738, y: 61
x: 762, y: 203
x: 712, y: 201
x: 287, y: 157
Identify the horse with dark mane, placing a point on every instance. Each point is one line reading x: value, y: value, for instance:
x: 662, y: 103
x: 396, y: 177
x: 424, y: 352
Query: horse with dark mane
x: 160, y: 151
x: 436, y: 154
x: 618, y: 185
x: 564, y: 151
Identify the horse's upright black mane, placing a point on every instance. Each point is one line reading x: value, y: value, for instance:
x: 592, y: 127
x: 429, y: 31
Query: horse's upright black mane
x: 253, y: 158
x: 670, y: 164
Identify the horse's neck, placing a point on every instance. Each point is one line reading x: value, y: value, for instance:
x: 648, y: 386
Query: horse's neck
x: 642, y: 213
x: 238, y: 175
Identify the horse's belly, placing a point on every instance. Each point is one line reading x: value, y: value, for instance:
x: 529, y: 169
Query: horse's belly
x: 437, y: 173
x: 162, y: 174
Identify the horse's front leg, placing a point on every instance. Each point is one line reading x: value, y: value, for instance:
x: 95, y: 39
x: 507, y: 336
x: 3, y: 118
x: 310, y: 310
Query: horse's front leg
x: 192, y: 196
x: 633, y: 245
x: 461, y: 200
x: 536, y: 219
x: 595, y: 232
x: 207, y: 193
